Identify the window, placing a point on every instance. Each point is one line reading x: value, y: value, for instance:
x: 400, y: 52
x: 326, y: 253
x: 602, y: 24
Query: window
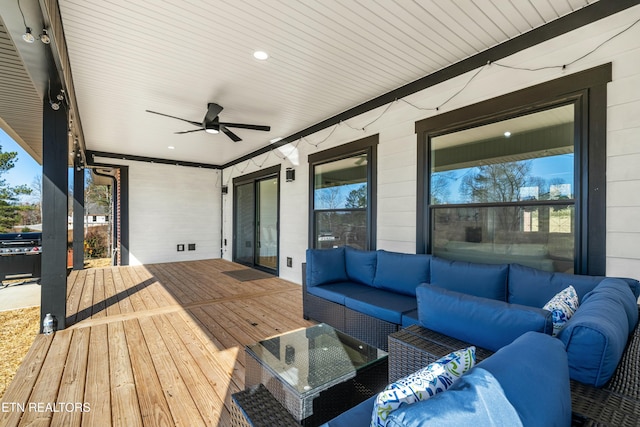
x: 342, y: 202
x: 504, y: 191
x: 522, y: 184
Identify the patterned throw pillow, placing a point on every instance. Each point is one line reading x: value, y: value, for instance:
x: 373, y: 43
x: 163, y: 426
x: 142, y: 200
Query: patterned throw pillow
x: 562, y: 306
x: 422, y: 384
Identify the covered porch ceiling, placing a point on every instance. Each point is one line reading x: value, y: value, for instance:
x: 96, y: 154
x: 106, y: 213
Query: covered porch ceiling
x: 173, y: 57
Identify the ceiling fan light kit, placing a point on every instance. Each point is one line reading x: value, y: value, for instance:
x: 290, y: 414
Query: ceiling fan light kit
x: 212, y: 124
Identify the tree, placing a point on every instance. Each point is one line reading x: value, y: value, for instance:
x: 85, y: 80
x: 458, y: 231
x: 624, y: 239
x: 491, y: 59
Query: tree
x: 9, y: 208
x: 357, y: 198
x: 98, y: 200
x: 499, y: 183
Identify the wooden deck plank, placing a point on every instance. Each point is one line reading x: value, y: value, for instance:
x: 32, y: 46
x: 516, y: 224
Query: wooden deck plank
x: 125, y: 409
x: 153, y: 405
x: 111, y: 300
x: 99, y: 303
x: 21, y: 387
x: 161, y: 344
x: 203, y: 393
x: 75, y: 294
x: 45, y: 389
x: 71, y: 390
x: 97, y: 383
x: 183, y: 409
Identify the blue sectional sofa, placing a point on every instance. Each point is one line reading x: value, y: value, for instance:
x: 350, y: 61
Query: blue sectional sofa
x: 508, y: 388
x: 370, y: 294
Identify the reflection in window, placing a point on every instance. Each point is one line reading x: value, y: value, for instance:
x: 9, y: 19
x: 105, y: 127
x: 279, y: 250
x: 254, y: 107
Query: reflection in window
x: 504, y: 192
x: 340, y: 202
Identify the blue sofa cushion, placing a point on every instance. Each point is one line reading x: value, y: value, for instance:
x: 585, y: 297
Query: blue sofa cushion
x: 410, y: 318
x: 620, y: 289
x: 481, y: 280
x: 337, y: 292
x: 359, y: 415
x: 595, y: 338
x: 400, y: 272
x: 481, y: 321
x: 325, y: 266
x: 534, y: 375
x: 361, y: 265
x: 381, y: 304
x: 533, y: 287
x: 476, y: 399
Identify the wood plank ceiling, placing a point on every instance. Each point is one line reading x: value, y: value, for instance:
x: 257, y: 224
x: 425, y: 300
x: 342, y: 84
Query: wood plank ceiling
x: 325, y: 57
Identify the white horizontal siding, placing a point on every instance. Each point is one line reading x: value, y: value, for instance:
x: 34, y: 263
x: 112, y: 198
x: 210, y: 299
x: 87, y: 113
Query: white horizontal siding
x: 397, y: 162
x: 171, y: 205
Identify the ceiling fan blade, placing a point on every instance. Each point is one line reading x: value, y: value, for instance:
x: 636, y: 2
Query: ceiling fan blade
x: 174, y: 117
x: 188, y: 131
x: 230, y: 134
x: 246, y: 126
x: 213, y: 110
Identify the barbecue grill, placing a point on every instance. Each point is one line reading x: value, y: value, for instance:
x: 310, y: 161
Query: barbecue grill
x: 20, y: 255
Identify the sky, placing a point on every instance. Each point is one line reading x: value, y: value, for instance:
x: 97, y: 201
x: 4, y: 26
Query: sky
x: 25, y: 170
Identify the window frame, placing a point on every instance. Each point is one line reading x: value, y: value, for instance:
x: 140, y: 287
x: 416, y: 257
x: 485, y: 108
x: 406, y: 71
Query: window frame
x: 588, y: 91
x: 368, y: 146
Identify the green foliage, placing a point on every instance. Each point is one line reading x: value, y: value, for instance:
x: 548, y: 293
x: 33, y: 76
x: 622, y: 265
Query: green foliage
x: 95, y: 242
x: 357, y: 198
x: 9, y: 208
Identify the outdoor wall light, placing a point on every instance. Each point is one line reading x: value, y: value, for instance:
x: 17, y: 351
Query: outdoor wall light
x: 290, y: 174
x: 27, y: 36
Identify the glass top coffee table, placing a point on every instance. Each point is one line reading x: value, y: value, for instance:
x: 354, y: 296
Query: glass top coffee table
x: 316, y: 373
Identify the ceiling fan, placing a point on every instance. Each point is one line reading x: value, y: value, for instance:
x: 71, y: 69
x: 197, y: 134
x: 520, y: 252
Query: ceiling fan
x: 211, y: 123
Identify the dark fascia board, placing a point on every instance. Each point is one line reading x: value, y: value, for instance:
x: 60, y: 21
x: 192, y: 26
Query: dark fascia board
x: 588, y: 14
x: 91, y: 155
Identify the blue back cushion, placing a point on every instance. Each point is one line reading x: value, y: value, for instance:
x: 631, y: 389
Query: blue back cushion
x: 534, y: 376
x: 325, y: 266
x: 400, y: 272
x: 595, y: 338
x: 533, y: 287
x: 619, y: 289
x: 481, y: 280
x: 485, y: 322
x: 361, y: 265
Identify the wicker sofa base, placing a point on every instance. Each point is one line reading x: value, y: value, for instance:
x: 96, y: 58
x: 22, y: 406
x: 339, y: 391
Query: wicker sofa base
x: 615, y: 404
x: 371, y: 330
x: 324, y: 311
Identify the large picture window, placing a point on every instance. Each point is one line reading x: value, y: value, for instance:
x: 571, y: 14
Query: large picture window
x: 342, y: 186
x: 519, y: 178
x: 505, y: 191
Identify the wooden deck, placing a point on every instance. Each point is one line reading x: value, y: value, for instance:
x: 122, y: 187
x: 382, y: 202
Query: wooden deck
x: 154, y: 345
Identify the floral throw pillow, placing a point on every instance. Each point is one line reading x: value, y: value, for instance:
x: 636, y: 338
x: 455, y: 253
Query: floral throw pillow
x: 422, y: 384
x: 562, y: 306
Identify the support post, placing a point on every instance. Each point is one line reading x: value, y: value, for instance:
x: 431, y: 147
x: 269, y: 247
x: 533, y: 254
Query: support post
x: 54, y: 212
x: 78, y: 215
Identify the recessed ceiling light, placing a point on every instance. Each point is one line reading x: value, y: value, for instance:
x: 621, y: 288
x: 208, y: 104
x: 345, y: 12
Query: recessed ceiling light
x: 507, y: 134
x: 274, y: 140
x: 261, y: 55
x: 171, y: 147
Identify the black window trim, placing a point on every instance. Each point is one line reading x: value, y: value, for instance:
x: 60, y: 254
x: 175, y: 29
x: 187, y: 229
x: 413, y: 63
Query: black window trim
x: 365, y: 145
x: 588, y: 90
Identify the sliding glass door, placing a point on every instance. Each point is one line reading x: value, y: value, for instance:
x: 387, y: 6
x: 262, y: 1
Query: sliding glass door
x: 256, y: 212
